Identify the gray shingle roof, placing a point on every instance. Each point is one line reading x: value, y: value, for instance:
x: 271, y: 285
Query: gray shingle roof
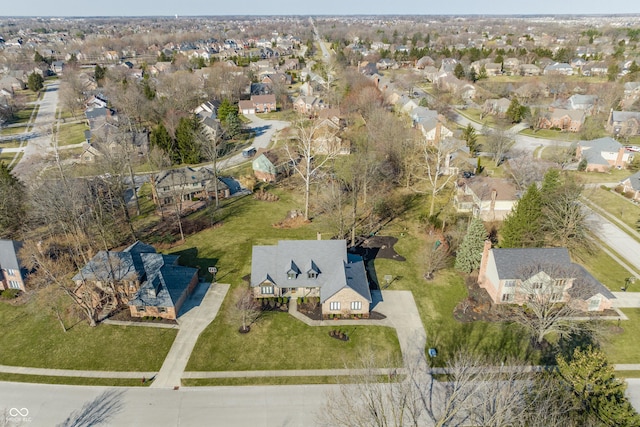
x: 635, y: 181
x: 9, y: 254
x: 587, y: 286
x: 336, y: 270
x: 510, y: 261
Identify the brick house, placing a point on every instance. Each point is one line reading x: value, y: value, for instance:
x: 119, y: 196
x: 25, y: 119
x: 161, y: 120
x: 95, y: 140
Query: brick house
x: 12, y: 273
x: 312, y: 268
x: 490, y: 199
x: 604, y: 153
x: 565, y: 120
x: 151, y: 284
x: 511, y: 276
x: 632, y: 185
x: 264, y: 103
x: 270, y: 165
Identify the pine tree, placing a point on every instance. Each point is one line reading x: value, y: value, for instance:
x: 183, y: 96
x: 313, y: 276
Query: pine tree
x: 12, y: 202
x: 469, y: 253
x: 597, y: 396
x: 471, y: 138
x: 458, y: 71
x: 521, y: 228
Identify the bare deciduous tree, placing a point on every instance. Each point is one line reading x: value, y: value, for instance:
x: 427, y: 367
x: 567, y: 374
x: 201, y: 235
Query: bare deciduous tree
x: 436, y: 172
x: 246, y: 309
x: 498, y: 143
x: 304, y: 149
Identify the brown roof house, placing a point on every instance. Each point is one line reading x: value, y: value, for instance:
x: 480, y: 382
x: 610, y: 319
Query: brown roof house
x: 604, y: 153
x: 312, y: 268
x: 186, y: 184
x: 490, y: 199
x: 564, y: 120
x: 512, y: 276
x: 264, y: 103
x: 12, y: 273
x: 151, y: 284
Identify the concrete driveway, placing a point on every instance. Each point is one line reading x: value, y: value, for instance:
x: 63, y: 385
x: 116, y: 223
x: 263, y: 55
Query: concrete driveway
x: 402, y: 313
x: 264, y: 131
x: 192, y: 323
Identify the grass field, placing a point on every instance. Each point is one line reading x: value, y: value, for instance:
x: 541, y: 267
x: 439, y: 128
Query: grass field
x: 614, y: 175
x: 8, y: 157
x: 616, y: 205
x: 217, y: 382
x: 33, y: 338
x: 105, y: 382
x: 621, y: 344
x: 551, y: 134
x: 71, y: 133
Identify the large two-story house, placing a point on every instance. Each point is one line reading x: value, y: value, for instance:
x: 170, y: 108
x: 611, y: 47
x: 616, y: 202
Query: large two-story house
x: 185, y: 184
x: 312, y: 268
x: 151, y: 284
x: 603, y: 154
x: 513, y: 275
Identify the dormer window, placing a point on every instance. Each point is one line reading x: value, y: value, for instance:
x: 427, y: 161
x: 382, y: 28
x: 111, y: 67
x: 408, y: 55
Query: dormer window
x: 291, y: 275
x: 312, y: 274
x: 293, y: 271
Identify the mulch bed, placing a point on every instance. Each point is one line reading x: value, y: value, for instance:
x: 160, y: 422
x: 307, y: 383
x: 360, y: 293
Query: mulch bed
x: 477, y: 306
x: 316, y: 313
x: 373, y: 247
x: 125, y: 315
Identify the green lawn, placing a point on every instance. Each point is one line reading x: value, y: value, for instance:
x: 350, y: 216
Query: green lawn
x: 551, y: 153
x: 71, y: 133
x: 614, y: 175
x: 616, y: 205
x: 14, y: 130
x: 322, y: 379
x: 8, y: 157
x: 437, y: 299
x: 622, y: 346
x: 551, y: 134
x: 105, y: 382
x: 33, y: 338
x: 602, y: 267
x: 278, y: 341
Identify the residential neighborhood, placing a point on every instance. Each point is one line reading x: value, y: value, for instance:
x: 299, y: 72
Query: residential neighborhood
x: 330, y: 202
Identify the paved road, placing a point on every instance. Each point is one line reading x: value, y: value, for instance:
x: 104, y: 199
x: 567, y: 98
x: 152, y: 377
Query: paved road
x: 29, y: 164
x: 623, y: 244
x: 192, y: 323
x: 290, y: 406
x: 264, y: 131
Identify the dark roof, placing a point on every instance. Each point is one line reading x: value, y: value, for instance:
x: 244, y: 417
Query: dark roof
x: 510, y: 261
x: 114, y: 265
x: 635, y: 181
x: 587, y: 286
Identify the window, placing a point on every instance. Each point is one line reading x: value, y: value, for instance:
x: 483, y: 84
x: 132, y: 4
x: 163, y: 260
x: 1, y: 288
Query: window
x: 536, y: 285
x: 312, y: 274
x: 140, y: 308
x: 507, y: 297
x: 268, y: 290
x: 291, y: 275
x: 556, y: 296
x: 11, y: 272
x: 14, y: 284
x: 162, y: 309
x: 509, y: 283
x: 560, y: 282
x: 334, y: 306
x: 356, y: 305
x: 594, y: 304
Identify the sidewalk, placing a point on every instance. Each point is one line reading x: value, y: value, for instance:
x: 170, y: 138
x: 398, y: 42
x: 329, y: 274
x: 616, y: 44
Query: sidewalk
x: 72, y: 372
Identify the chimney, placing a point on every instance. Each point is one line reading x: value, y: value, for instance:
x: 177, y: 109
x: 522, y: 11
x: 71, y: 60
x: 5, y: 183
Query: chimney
x: 483, y: 262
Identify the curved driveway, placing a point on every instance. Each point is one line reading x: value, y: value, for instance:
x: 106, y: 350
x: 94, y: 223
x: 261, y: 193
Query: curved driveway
x: 264, y: 131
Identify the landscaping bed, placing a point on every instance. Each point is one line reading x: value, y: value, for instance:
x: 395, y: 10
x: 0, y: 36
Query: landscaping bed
x: 124, y: 315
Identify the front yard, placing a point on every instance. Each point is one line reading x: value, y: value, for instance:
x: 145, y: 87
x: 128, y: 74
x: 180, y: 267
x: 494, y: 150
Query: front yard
x: 35, y: 339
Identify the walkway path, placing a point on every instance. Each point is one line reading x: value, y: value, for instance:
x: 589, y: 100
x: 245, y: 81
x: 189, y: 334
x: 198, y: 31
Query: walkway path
x: 72, y: 372
x: 192, y: 323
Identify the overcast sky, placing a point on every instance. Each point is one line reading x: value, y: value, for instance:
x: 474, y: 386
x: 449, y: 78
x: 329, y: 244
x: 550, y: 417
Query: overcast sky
x: 311, y: 7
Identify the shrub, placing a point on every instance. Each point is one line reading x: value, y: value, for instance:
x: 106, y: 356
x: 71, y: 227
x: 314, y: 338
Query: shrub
x: 605, y: 188
x: 10, y: 293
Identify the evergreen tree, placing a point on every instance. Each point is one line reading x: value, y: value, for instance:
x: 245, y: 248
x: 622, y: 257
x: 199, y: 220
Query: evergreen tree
x: 12, y: 202
x: 516, y: 112
x: 596, y: 395
x: 470, y: 136
x: 469, y: 253
x: 160, y: 138
x: 458, y: 71
x: 35, y: 82
x: 521, y: 228
x: 99, y: 73
x: 187, y: 141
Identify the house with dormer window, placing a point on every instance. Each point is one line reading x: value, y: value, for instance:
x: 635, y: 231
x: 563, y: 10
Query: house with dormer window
x: 312, y: 268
